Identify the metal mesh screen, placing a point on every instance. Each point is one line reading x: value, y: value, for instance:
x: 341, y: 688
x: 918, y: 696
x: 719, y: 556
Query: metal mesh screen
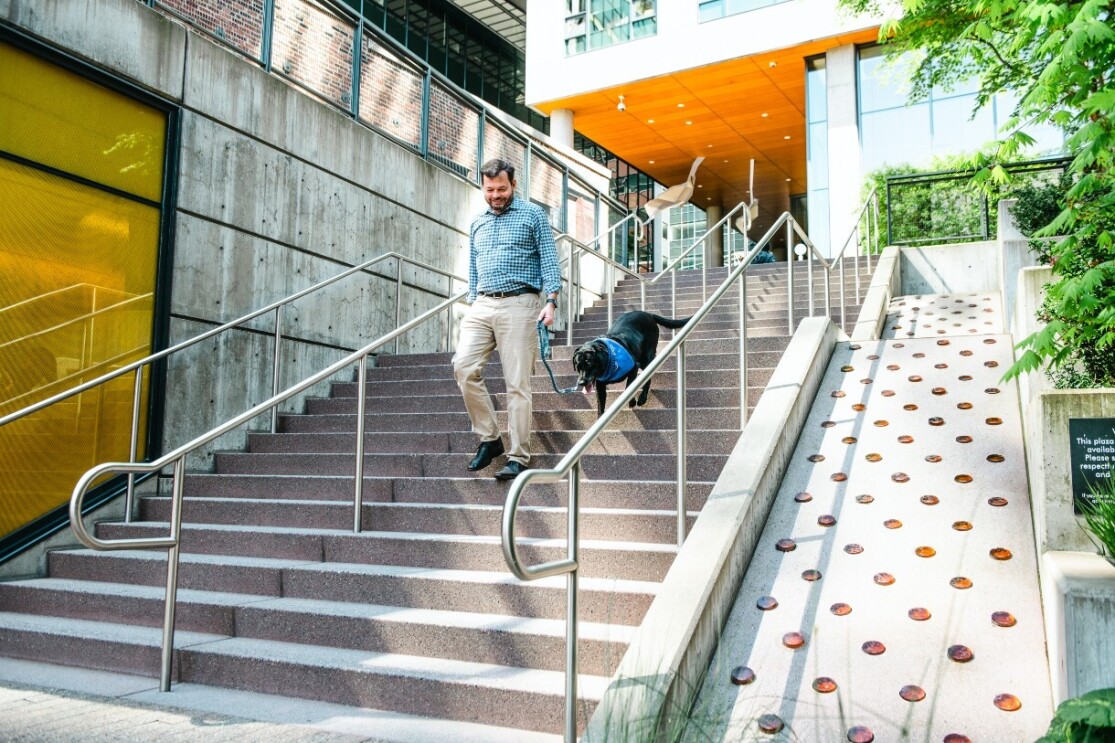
x: 313, y: 47
x: 239, y: 23
x: 390, y: 93
x: 454, y: 132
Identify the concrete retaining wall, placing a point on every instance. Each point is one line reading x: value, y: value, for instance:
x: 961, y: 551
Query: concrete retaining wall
x: 945, y: 269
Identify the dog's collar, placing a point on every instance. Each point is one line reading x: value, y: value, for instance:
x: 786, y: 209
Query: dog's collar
x: 620, y: 362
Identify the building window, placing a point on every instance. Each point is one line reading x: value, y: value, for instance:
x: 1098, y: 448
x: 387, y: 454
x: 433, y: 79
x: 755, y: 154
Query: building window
x: 596, y: 24
x: 82, y: 179
x: 895, y: 132
x: 712, y: 9
x: 682, y: 226
x: 817, y: 151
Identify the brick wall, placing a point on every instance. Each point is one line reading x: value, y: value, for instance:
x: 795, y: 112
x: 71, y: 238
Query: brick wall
x: 499, y: 144
x: 545, y: 188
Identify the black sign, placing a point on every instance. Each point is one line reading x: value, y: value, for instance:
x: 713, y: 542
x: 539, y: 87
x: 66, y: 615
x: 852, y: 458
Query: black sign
x: 1092, y: 459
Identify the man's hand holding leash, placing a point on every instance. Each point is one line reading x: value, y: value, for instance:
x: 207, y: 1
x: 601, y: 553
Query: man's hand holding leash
x: 549, y: 310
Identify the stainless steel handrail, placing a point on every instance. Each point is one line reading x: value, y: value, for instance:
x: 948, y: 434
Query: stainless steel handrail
x: 836, y: 261
x: 177, y: 459
x: 276, y: 307
x: 570, y: 465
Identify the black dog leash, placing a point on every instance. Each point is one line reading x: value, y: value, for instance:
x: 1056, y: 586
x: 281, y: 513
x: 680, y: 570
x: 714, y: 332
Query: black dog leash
x: 547, y: 354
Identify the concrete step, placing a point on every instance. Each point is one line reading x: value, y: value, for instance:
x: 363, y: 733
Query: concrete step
x: 449, y: 689
x: 701, y: 467
x: 626, y: 560
x: 723, y: 362
x: 533, y: 521
x: 757, y: 340
x: 542, y: 442
x: 653, y: 495
x: 494, y: 592
x: 707, y: 397
x: 435, y: 633
x: 540, y: 384
x: 581, y: 419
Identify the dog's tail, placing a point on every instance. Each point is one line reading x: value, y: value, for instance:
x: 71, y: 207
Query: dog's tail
x: 669, y: 322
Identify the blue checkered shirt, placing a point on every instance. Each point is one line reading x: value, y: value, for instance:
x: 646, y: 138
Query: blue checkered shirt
x: 512, y: 250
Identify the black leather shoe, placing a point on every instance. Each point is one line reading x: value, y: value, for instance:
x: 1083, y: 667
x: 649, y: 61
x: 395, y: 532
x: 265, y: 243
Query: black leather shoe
x: 511, y: 470
x: 485, y: 453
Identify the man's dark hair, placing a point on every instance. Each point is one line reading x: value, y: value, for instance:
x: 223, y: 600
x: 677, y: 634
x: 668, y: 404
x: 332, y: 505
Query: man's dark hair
x: 495, y: 166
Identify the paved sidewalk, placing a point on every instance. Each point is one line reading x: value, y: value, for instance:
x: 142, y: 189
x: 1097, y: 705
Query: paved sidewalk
x: 29, y: 715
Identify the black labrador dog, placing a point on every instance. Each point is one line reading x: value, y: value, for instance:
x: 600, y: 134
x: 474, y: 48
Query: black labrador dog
x: 628, y: 347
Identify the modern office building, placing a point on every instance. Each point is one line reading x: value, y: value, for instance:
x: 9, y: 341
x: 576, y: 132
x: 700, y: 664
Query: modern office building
x: 798, y: 87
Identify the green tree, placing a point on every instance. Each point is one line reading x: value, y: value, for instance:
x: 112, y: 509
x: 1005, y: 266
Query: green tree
x: 1058, y: 58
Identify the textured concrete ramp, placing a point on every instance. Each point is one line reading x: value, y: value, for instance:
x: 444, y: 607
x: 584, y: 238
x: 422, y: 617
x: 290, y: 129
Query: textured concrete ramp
x: 898, y: 558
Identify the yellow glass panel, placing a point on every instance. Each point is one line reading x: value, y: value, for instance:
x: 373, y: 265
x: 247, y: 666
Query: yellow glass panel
x: 54, y: 117
x: 76, y: 300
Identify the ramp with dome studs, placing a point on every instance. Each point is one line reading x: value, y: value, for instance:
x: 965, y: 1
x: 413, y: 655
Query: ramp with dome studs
x: 894, y: 592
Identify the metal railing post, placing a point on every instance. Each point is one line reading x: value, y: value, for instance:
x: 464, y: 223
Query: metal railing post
x: 361, y: 403
x: 275, y: 359
x: 610, y: 272
x: 571, y: 628
x: 642, y: 295
x: 398, y: 298
x: 682, y: 476
x: 129, y: 500
x: 790, y: 274
x: 171, y: 596
x: 809, y: 281
x: 569, y: 313
x: 843, y: 301
x: 704, y: 272
x: 743, y: 350
x: 855, y: 236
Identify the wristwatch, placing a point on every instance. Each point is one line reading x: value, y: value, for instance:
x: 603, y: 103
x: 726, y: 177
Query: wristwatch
x: 551, y: 300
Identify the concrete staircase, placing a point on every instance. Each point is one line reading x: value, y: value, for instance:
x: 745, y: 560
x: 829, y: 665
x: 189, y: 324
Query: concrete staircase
x: 417, y: 615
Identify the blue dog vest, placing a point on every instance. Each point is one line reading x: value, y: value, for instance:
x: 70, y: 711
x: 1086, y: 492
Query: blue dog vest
x: 620, y: 362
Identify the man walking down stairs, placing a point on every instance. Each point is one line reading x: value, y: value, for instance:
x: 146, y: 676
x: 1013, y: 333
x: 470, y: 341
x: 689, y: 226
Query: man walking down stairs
x: 412, y: 629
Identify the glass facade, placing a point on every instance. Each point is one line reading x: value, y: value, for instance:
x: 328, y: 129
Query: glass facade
x: 459, y: 47
x: 894, y: 132
x: 596, y: 24
x: 681, y: 226
x: 81, y: 185
x: 713, y: 9
x: 817, y: 151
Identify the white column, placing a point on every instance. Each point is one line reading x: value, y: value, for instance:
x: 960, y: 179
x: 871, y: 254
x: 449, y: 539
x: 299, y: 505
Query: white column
x: 714, y: 244
x: 844, y: 148
x: 561, y: 126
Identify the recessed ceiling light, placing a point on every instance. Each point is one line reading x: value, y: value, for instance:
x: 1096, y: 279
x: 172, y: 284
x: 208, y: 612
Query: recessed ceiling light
x: 725, y: 161
x: 689, y: 123
x: 710, y: 146
x: 681, y: 105
x: 788, y: 180
x: 652, y: 162
x: 700, y: 185
x: 650, y: 121
x: 764, y: 114
x: 708, y: 198
x: 786, y: 136
x: 773, y: 64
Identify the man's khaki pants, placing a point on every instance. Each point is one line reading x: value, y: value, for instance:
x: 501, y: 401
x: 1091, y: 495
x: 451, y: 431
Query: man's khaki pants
x: 508, y: 325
